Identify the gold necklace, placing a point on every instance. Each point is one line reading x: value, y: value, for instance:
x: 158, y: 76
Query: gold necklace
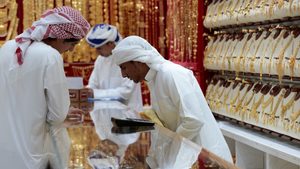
x: 214, y: 102
x: 240, y: 101
x: 254, y: 56
x: 264, y: 114
x: 295, y: 115
x: 248, y: 49
x: 244, y: 107
x: 238, y: 60
x: 226, y: 97
x: 271, y: 8
x: 232, y: 101
x: 280, y: 3
x: 273, y: 113
x: 280, y: 57
x: 273, y: 50
x: 287, y: 106
x: 208, y: 90
x: 255, y: 105
x: 230, y: 56
x: 225, y: 53
x: 267, y: 103
x: 293, y: 125
x: 218, y: 101
x: 263, y: 55
x: 293, y: 60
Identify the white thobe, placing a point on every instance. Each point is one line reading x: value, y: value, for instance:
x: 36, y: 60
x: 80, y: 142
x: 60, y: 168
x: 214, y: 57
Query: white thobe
x: 180, y: 104
x: 33, y: 96
x: 106, y: 81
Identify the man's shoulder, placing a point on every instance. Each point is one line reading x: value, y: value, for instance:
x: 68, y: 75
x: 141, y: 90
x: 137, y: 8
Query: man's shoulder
x: 41, y: 48
x: 172, y: 68
x: 9, y: 44
x: 39, y: 51
x: 174, y: 72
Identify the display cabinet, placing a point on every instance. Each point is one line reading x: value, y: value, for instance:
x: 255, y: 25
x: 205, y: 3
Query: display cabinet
x: 252, y: 50
x: 256, y: 63
x: 98, y: 142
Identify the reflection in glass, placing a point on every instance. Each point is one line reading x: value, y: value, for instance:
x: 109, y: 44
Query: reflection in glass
x: 92, y: 138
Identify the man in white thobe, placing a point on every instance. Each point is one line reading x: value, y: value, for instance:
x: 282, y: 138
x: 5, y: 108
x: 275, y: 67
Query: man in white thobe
x: 34, y: 97
x: 176, y: 96
x: 106, y: 79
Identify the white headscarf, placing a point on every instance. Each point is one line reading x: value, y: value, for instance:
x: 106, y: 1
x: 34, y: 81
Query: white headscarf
x: 101, y: 34
x: 135, y: 48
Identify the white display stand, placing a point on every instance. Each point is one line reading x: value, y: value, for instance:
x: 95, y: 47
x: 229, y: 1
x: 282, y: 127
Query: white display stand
x: 257, y: 150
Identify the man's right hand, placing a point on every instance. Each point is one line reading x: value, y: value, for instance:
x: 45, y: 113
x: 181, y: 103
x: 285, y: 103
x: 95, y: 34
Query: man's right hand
x: 75, y: 117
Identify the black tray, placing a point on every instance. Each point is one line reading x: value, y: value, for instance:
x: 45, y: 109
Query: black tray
x: 130, y: 122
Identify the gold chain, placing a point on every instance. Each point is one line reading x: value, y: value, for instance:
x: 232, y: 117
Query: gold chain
x: 240, y: 101
x: 267, y: 103
x: 286, y: 107
x: 245, y: 106
x: 254, y: 107
x: 280, y: 57
x: 293, y: 59
x: 273, y: 113
x: 233, y: 101
x: 254, y: 56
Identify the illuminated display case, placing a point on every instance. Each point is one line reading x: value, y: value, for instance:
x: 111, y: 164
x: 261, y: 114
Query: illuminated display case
x: 95, y: 139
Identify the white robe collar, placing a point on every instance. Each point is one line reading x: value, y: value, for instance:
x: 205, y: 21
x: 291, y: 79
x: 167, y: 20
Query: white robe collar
x: 150, y: 75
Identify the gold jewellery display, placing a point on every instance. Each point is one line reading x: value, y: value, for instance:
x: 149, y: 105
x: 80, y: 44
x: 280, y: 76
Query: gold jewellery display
x: 8, y: 20
x: 255, y: 41
x: 182, y: 30
x: 132, y: 17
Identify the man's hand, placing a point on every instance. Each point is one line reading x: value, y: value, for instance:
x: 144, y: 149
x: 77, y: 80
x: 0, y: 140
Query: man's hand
x: 75, y: 117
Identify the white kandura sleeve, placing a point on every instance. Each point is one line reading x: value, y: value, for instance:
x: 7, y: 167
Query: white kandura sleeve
x: 124, y: 91
x: 56, y: 90
x: 182, y: 95
x: 93, y: 80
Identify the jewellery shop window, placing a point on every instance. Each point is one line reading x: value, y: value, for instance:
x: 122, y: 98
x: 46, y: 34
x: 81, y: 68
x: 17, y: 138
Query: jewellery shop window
x: 253, y: 51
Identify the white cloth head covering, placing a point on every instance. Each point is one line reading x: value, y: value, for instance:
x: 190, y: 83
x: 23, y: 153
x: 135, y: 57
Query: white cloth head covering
x: 60, y: 23
x: 101, y: 34
x: 135, y: 48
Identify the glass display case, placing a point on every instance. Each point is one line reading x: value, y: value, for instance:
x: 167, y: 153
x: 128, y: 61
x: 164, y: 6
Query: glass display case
x: 99, y: 143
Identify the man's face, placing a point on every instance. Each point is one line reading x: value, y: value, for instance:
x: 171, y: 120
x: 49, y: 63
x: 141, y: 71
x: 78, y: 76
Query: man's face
x: 105, y: 50
x: 63, y: 46
x: 131, y: 70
